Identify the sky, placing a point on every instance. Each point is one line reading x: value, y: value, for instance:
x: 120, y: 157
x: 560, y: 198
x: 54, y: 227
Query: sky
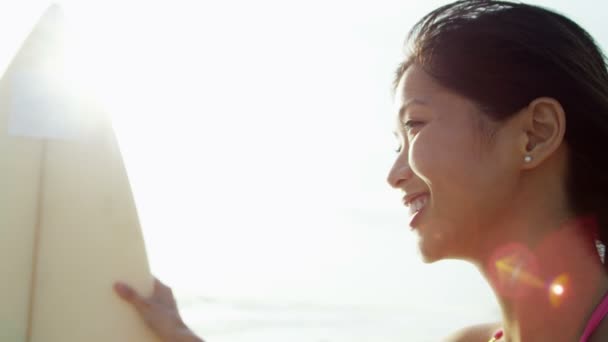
x: 258, y: 137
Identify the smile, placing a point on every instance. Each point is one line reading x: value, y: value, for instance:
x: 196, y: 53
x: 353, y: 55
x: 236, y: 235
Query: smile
x: 417, y: 204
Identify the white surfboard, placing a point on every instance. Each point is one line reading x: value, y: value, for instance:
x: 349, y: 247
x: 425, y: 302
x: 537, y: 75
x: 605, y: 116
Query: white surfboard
x: 68, y: 222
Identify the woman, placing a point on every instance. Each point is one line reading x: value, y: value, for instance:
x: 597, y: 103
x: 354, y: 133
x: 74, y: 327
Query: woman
x: 501, y: 112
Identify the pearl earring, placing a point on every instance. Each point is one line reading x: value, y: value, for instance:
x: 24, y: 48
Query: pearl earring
x: 527, y: 158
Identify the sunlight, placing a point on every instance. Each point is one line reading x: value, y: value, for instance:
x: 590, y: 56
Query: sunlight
x: 257, y: 138
x: 258, y: 146
x: 16, y: 21
x: 248, y: 158
x: 557, y: 289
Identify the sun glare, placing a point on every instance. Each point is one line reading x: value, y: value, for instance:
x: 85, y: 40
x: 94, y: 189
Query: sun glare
x: 557, y: 289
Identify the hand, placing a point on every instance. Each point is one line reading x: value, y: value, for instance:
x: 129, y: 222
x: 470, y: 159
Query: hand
x: 159, y: 312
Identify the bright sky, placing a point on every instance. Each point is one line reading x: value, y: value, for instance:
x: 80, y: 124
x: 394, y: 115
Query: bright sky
x: 257, y: 135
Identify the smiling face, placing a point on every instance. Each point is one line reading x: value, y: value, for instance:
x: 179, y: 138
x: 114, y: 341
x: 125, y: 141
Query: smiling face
x: 446, y: 152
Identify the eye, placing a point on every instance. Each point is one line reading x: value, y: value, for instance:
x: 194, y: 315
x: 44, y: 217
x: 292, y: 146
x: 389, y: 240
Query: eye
x: 411, y: 123
x: 398, y: 146
x: 407, y: 126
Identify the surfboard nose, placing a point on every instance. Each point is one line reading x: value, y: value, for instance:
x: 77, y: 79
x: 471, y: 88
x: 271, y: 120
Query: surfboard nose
x: 43, y: 94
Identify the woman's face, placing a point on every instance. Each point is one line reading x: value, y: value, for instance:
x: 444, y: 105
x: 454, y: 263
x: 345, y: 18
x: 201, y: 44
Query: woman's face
x: 444, y: 154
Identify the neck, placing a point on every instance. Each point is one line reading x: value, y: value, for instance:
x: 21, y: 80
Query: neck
x: 547, y: 286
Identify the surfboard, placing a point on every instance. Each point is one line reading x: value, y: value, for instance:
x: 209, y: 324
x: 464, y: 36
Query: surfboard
x: 68, y: 221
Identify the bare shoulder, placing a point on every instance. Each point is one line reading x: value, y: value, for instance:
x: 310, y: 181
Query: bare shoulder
x: 475, y: 333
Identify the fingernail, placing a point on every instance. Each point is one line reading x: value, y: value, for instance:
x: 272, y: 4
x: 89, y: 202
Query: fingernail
x: 123, y: 290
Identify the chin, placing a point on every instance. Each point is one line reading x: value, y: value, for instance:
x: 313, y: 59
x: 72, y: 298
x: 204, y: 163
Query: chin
x: 430, y: 260
x: 430, y: 252
x: 438, y: 240
x: 430, y: 256
x: 438, y: 246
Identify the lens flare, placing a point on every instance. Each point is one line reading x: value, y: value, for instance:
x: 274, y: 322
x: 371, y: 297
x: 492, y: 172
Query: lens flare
x: 557, y: 290
x: 515, y: 270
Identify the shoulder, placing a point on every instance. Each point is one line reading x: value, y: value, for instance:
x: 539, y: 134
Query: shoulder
x: 475, y: 333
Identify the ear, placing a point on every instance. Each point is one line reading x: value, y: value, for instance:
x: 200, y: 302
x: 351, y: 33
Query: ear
x: 544, y: 126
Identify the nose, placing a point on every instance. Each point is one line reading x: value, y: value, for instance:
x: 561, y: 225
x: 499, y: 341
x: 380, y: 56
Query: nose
x: 400, y: 172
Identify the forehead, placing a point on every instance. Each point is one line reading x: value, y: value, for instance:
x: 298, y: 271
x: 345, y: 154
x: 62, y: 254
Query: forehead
x: 415, y: 87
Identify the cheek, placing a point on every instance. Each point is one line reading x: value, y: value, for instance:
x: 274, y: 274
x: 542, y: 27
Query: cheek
x: 442, y: 157
x: 456, y: 176
x: 466, y: 185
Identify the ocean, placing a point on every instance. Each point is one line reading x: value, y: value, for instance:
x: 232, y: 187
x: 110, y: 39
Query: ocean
x: 248, y: 321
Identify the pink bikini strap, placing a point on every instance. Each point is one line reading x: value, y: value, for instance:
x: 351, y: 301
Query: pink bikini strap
x: 596, y: 317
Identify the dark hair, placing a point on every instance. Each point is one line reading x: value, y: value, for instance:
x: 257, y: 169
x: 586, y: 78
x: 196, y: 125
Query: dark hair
x: 502, y: 55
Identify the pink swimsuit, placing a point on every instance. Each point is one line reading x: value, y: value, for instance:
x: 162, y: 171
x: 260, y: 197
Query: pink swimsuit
x: 598, y: 314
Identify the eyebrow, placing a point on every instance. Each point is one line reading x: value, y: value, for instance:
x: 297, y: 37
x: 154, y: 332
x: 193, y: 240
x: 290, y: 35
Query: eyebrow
x: 410, y: 103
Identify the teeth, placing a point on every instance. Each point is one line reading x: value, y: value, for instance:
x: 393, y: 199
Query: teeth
x: 418, y: 204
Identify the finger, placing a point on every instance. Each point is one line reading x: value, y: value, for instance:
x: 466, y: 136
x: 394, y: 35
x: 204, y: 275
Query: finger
x: 125, y: 291
x: 130, y: 295
x: 164, y: 293
x: 160, y: 287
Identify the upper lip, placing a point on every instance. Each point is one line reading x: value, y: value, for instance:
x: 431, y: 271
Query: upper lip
x: 408, y: 198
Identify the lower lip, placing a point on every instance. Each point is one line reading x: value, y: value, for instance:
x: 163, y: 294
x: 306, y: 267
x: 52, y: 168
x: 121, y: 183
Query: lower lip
x: 414, y: 220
